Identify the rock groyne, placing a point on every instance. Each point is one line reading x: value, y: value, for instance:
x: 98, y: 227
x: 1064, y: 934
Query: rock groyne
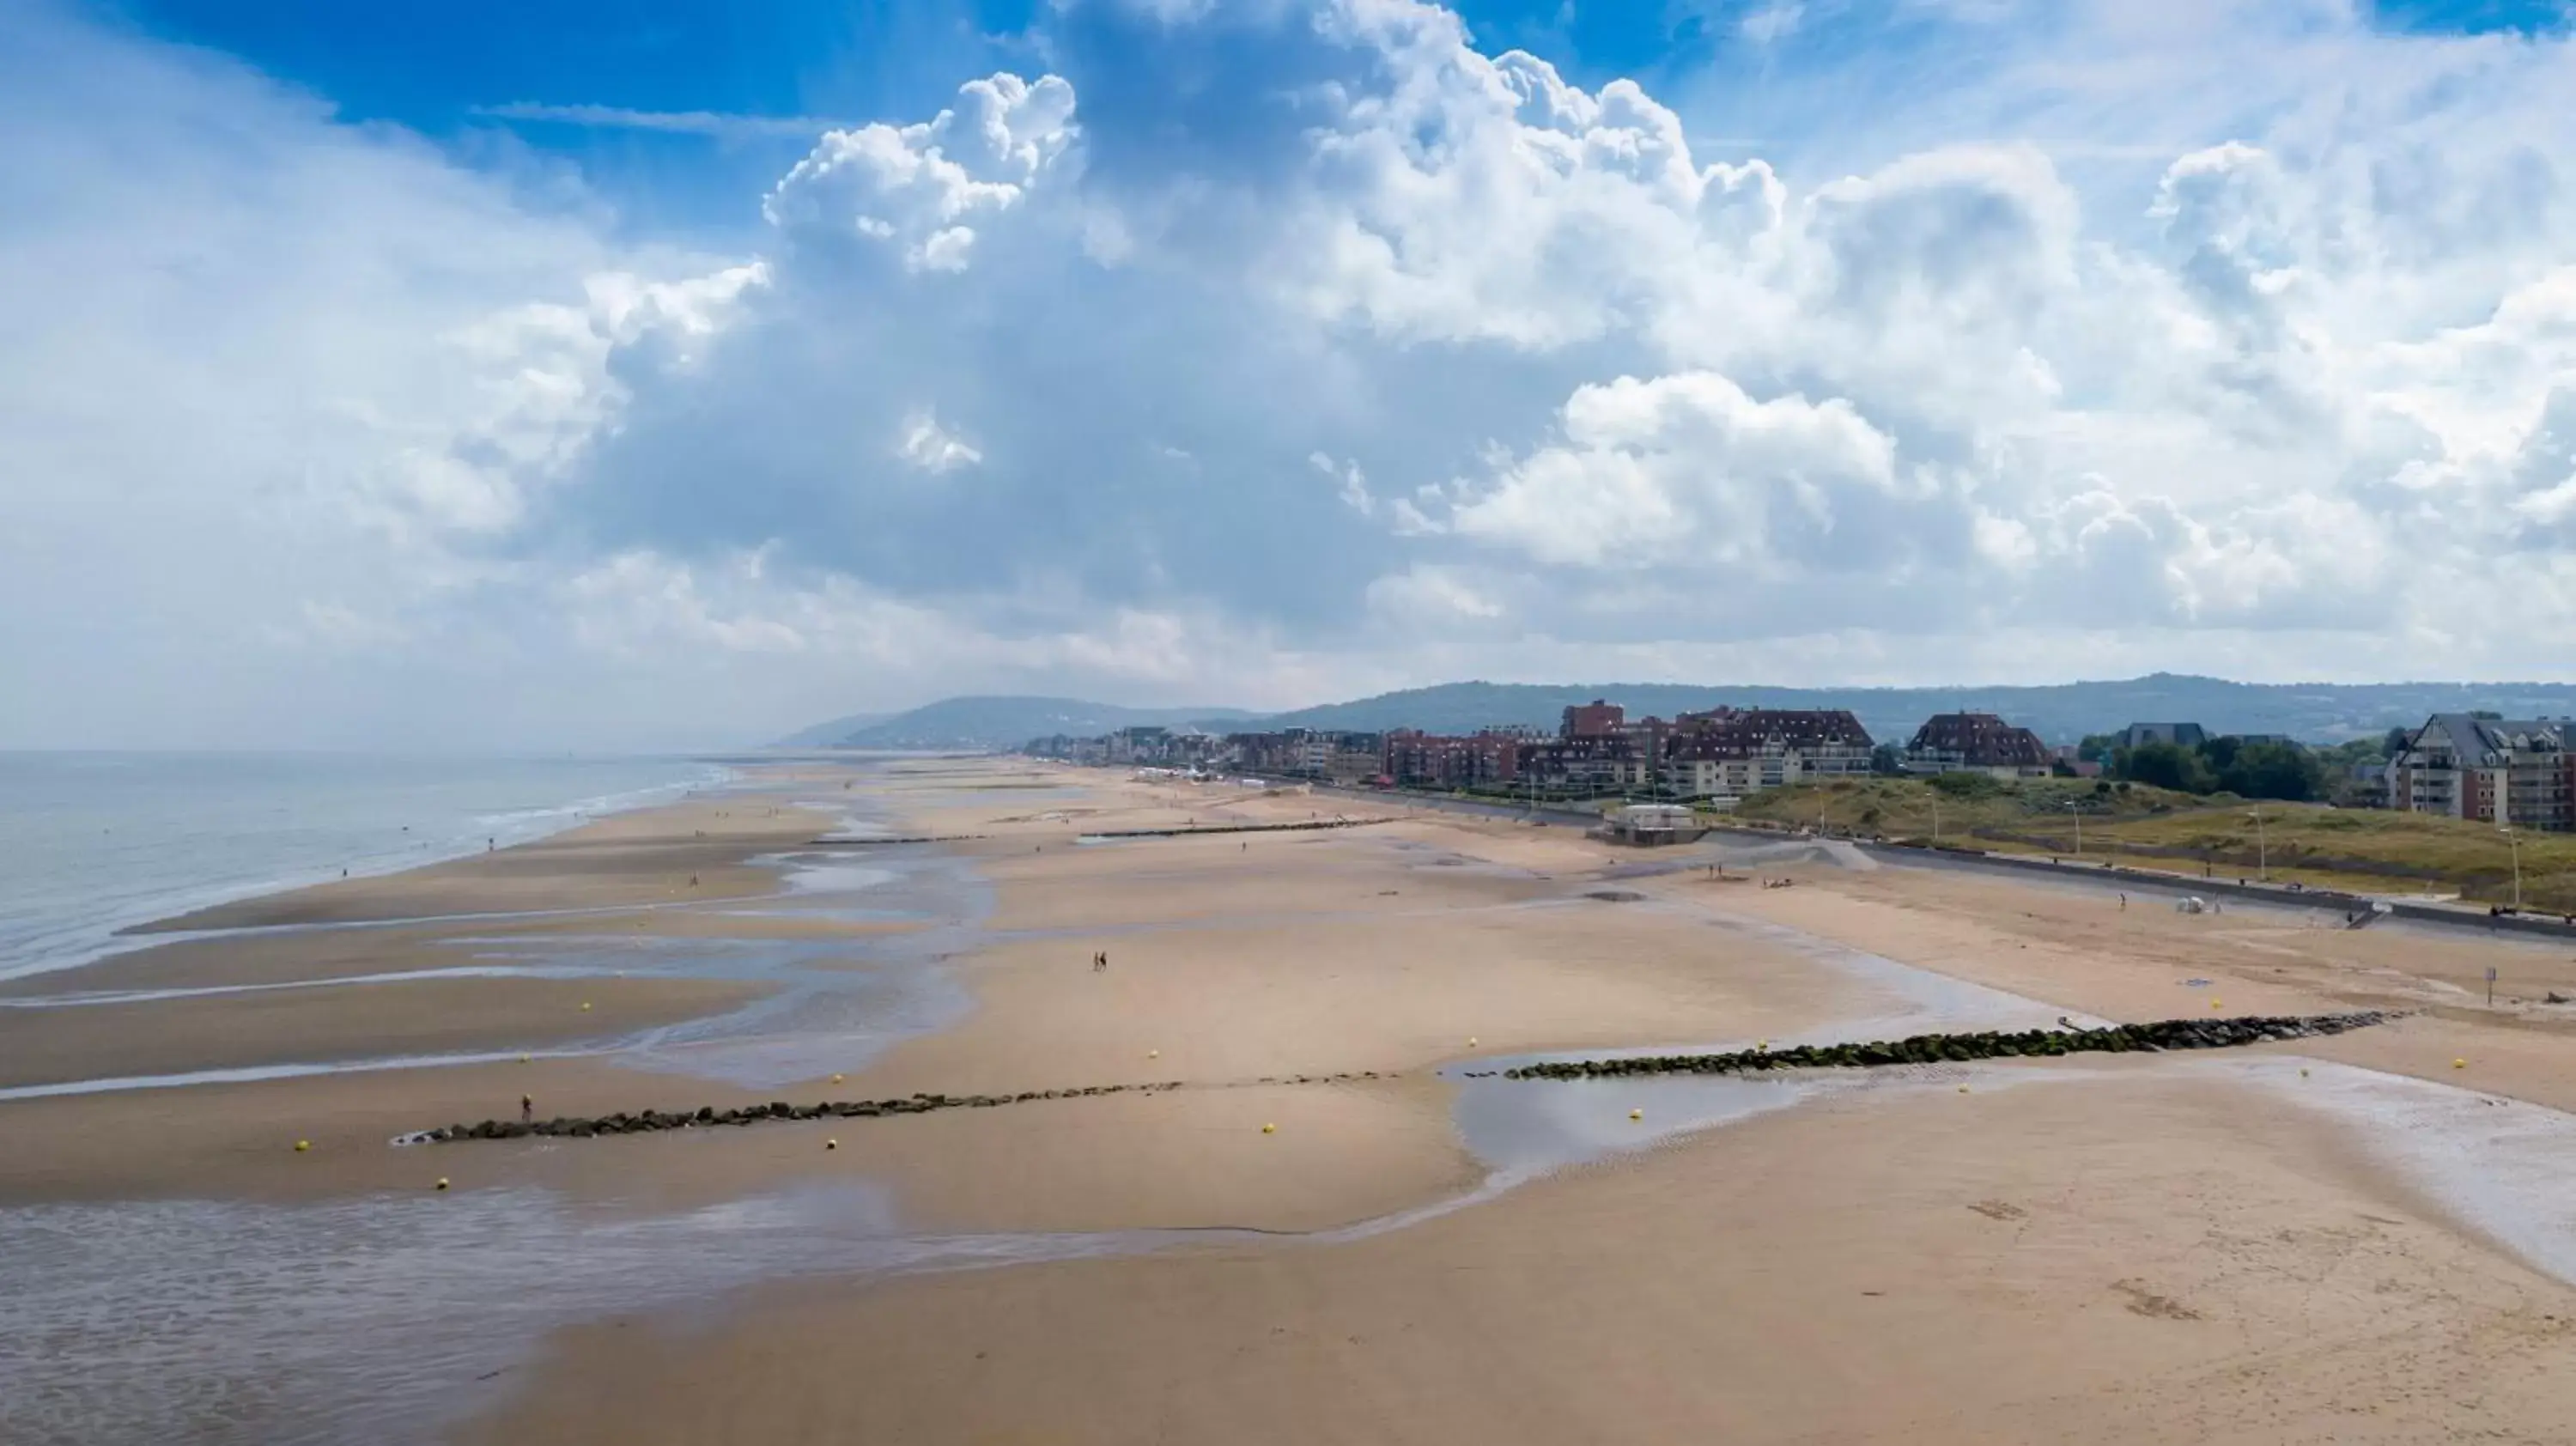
x: 1958, y: 1048
x: 2172, y: 1034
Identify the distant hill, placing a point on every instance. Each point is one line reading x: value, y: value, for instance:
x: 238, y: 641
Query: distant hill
x: 1004, y: 722
x: 827, y: 735
x: 2060, y: 712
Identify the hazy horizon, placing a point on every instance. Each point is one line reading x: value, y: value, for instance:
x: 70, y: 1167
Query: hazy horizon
x: 627, y: 378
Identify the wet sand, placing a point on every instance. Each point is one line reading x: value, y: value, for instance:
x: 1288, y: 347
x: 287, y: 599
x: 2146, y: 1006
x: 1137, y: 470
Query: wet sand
x: 287, y: 960
x: 694, y: 849
x: 2130, y: 1261
x: 2171, y: 1254
x: 344, y: 1022
x: 2142, y: 1253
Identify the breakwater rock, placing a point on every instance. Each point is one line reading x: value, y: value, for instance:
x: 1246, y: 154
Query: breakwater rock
x: 1950, y: 1048
x: 1917, y: 1049
x: 645, y: 1122
x: 1193, y: 830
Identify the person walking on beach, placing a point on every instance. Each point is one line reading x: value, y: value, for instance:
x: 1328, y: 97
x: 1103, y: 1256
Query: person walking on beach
x: 527, y: 1110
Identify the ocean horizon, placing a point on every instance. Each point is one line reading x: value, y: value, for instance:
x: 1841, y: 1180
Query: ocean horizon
x: 92, y: 843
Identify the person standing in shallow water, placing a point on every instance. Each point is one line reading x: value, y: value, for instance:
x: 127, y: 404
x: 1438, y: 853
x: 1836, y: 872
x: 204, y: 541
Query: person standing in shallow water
x: 527, y: 1110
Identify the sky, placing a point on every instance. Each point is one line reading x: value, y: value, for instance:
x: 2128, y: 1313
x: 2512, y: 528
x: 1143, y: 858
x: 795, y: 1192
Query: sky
x: 660, y: 374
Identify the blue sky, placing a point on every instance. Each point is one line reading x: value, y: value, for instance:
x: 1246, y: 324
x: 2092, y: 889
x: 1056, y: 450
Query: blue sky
x: 670, y: 374
x: 443, y: 69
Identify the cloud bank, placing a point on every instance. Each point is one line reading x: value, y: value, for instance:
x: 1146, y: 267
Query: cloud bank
x: 1269, y: 353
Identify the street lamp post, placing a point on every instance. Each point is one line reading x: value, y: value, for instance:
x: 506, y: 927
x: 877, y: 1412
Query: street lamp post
x: 2262, y: 852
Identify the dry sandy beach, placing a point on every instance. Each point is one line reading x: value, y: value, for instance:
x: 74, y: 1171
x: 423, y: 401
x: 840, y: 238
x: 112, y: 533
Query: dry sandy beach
x: 2349, y: 1240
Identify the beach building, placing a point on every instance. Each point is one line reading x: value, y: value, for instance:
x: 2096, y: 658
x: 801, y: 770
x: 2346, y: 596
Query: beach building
x: 1489, y: 759
x: 1596, y: 719
x: 2500, y: 771
x: 1589, y: 763
x: 1596, y: 750
x: 1651, y: 824
x: 2181, y: 735
x: 1976, y: 743
x: 1729, y: 753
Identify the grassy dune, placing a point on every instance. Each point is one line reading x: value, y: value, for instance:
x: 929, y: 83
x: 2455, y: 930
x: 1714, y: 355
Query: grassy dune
x: 2368, y: 850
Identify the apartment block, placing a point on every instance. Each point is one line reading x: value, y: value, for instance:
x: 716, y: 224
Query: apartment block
x: 1728, y: 753
x: 1976, y: 742
x: 2499, y: 771
x: 1477, y: 760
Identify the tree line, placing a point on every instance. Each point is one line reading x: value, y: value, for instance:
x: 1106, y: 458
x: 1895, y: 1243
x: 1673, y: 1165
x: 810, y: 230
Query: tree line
x: 2247, y: 768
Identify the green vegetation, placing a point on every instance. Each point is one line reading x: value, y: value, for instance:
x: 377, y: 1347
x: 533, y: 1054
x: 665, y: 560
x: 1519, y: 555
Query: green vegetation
x: 2149, y: 827
x: 1967, y: 804
x: 2233, y: 765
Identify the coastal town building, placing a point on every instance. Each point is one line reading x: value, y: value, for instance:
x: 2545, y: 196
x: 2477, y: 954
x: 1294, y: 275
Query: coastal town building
x: 2181, y: 735
x: 1596, y: 750
x: 1725, y: 754
x: 1489, y: 759
x: 1592, y: 763
x: 1715, y: 758
x: 1308, y: 753
x: 1143, y: 746
x: 1596, y: 719
x: 2505, y: 772
x: 1976, y: 742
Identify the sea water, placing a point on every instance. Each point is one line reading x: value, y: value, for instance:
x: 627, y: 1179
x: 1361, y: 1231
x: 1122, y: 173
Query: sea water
x: 91, y: 843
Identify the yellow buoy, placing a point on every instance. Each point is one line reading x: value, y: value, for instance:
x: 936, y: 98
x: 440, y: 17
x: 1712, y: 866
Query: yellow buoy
x: 523, y: 1059
x: 1471, y: 1041
x: 1269, y: 1129
x: 1636, y: 1114
x: 442, y: 1182
x: 1153, y: 1054
x: 303, y: 1145
x: 2459, y: 1064
x: 836, y: 1079
x: 831, y: 1144
x: 1761, y: 1044
x: 1963, y: 1089
x: 2217, y: 1003
x: 585, y: 1004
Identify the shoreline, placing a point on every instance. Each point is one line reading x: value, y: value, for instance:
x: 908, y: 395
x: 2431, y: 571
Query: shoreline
x: 1435, y: 947
x: 106, y: 939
